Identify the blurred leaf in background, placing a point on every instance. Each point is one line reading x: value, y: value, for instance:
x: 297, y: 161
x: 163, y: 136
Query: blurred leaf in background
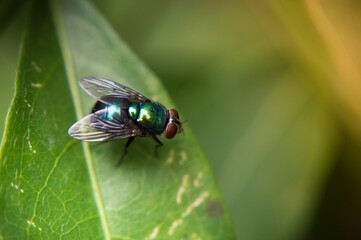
x: 272, y: 90
x: 11, y: 27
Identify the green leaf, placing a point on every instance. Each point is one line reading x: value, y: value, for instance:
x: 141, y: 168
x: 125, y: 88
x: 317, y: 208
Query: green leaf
x: 55, y: 187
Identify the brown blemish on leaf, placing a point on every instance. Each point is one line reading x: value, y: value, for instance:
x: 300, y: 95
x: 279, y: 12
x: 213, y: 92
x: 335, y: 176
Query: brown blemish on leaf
x: 214, y: 209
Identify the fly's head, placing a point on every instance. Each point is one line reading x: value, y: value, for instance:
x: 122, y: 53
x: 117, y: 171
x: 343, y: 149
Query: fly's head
x: 174, y: 126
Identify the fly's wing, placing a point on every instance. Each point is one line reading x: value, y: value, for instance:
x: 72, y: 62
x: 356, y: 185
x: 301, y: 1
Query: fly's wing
x: 96, y: 128
x: 100, y: 87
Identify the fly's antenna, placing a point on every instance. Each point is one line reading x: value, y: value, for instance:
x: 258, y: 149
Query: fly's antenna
x: 182, y: 125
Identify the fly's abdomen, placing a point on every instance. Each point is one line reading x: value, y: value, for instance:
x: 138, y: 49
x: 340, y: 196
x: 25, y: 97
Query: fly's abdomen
x: 112, y: 112
x: 148, y: 115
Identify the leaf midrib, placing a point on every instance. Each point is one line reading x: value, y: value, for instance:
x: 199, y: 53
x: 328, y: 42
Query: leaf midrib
x: 71, y: 77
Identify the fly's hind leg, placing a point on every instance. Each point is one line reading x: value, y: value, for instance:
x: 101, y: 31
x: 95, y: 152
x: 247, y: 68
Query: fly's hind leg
x: 130, y: 140
x: 159, y: 144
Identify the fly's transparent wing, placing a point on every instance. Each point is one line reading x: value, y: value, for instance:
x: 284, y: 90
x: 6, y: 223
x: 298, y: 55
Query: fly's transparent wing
x: 100, y: 87
x: 96, y: 128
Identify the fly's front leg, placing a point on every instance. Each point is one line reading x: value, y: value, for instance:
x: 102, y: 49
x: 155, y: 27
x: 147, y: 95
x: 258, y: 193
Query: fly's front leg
x: 130, y: 140
x: 159, y: 144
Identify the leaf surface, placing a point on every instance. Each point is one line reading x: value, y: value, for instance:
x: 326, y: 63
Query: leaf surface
x: 55, y: 187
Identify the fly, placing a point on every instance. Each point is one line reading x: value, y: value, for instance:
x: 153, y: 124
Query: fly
x: 120, y: 112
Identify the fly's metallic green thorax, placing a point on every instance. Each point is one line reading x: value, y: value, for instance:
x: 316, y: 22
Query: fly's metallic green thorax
x: 149, y: 115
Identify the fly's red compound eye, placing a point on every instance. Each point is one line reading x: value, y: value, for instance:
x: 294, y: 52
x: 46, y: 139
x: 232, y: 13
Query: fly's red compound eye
x: 171, y: 130
x: 174, y: 113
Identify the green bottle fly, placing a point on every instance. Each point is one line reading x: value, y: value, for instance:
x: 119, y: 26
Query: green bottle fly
x: 121, y: 112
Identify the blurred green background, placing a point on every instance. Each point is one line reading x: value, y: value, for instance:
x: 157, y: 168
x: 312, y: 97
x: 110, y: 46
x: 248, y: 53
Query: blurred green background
x: 272, y: 89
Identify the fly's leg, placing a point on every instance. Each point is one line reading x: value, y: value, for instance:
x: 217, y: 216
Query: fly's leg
x: 130, y: 140
x: 159, y: 144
